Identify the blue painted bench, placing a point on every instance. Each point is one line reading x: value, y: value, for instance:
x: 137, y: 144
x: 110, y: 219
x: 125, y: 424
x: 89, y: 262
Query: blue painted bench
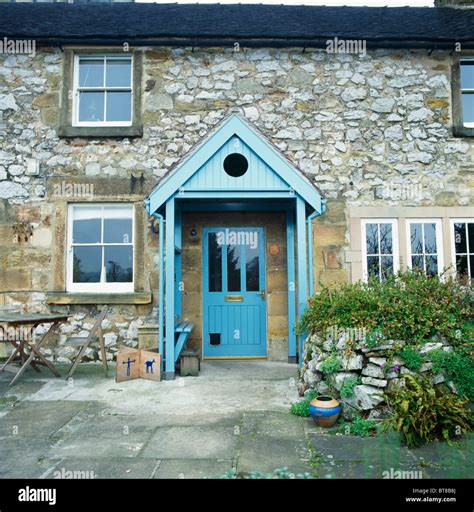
x: 182, y: 332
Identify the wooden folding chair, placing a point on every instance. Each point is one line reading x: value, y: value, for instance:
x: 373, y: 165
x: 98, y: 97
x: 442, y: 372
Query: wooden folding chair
x: 85, y: 342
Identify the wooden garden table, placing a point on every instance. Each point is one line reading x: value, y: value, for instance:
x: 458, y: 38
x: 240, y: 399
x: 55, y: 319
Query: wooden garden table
x: 34, y: 357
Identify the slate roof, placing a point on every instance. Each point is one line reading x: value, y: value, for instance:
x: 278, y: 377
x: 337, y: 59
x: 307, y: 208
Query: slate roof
x: 253, y: 24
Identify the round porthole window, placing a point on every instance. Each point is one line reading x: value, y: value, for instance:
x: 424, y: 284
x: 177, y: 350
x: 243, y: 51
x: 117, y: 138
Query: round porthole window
x: 235, y: 165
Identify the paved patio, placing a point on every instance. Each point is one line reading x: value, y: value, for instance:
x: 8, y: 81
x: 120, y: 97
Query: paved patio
x: 234, y: 415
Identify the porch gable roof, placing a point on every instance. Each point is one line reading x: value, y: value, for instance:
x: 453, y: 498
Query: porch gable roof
x: 234, y: 127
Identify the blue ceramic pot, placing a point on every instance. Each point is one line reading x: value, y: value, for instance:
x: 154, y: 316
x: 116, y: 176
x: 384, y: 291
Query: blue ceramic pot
x: 324, y: 410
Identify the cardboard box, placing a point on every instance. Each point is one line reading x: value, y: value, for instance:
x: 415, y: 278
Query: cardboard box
x: 128, y: 364
x: 150, y: 365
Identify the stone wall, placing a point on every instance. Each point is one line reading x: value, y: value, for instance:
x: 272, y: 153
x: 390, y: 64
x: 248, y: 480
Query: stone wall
x: 353, y: 124
x: 375, y: 370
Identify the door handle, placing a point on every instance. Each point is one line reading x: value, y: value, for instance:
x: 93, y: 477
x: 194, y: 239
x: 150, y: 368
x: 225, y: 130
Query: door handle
x: 262, y: 294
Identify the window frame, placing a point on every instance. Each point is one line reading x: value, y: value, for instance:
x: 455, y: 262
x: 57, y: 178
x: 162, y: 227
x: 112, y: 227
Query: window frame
x: 460, y: 129
x: 452, y: 221
x: 67, y: 127
x: 439, y: 240
x: 395, y: 243
x: 97, y: 287
x: 462, y: 90
x: 104, y: 89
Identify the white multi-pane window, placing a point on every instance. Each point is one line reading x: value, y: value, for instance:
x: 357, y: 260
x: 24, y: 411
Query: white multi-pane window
x: 379, y: 248
x: 467, y: 92
x: 425, y: 248
x: 103, y: 90
x: 463, y: 248
x: 100, y: 248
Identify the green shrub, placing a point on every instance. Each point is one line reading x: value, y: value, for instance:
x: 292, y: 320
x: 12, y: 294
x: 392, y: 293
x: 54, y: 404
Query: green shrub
x: 358, y: 427
x: 330, y: 365
x: 301, y: 408
x: 408, y: 306
x: 423, y: 413
x: 412, y: 359
x: 458, y: 366
x: 347, y: 388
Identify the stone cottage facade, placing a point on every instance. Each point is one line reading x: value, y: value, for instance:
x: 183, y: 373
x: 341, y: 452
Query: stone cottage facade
x: 381, y: 125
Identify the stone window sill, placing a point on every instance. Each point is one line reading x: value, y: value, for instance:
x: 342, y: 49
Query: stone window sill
x: 65, y: 298
x: 463, y: 131
x: 101, y: 131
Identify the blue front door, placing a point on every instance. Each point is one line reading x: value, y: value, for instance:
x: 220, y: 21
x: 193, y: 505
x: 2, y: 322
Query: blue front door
x: 234, y: 298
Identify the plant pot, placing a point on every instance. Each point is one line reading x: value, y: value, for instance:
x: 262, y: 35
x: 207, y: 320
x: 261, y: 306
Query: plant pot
x: 324, y: 410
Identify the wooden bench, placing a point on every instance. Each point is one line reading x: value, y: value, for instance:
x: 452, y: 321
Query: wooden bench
x: 182, y: 332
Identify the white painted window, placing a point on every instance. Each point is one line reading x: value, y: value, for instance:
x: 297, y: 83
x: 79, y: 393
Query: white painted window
x: 380, y: 255
x: 103, y: 90
x: 467, y: 91
x: 100, y: 248
x: 425, y: 245
x: 462, y: 231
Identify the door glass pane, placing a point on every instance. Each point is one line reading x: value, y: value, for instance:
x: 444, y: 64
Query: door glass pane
x: 86, y: 225
x: 416, y: 239
x: 460, y: 238
x: 470, y: 232
x: 87, y: 264
x: 91, y: 106
x: 430, y: 238
x: 252, y: 270
x: 119, y: 106
x: 372, y: 239
x: 215, y: 264
x: 118, y: 73
x: 118, y: 262
x: 91, y: 73
x: 233, y: 268
x: 373, y: 267
x: 385, y: 239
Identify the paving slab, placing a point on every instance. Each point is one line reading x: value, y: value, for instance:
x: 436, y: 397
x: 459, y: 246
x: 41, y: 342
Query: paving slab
x: 193, y: 442
x: 271, y: 440
x: 105, y: 467
x: 267, y: 453
x: 272, y: 423
x: 193, y: 468
x: 358, y: 449
x: 86, y: 447
x: 39, y: 419
x: 22, y: 458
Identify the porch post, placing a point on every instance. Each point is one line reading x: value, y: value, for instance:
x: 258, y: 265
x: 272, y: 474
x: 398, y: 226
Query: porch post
x: 170, y: 288
x: 302, y: 266
x: 178, y: 263
x: 291, y: 284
